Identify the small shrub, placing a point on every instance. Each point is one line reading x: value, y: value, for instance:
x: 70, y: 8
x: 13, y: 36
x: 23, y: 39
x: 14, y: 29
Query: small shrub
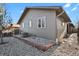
x: 26, y: 35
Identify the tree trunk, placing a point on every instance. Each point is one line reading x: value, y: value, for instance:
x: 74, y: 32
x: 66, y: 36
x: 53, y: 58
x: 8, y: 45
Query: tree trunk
x: 1, y: 36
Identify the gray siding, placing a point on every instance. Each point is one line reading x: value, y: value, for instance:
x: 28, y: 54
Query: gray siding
x: 51, y: 28
x: 60, y: 26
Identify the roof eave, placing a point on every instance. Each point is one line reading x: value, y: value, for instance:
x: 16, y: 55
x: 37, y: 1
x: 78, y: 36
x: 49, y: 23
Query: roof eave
x: 58, y: 10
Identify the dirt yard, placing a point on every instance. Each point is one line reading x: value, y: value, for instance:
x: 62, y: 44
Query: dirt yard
x: 15, y: 47
x: 69, y: 47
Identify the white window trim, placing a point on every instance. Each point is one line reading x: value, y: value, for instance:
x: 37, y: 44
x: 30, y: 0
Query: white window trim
x: 43, y: 19
x: 23, y: 25
x: 38, y: 22
x: 30, y: 23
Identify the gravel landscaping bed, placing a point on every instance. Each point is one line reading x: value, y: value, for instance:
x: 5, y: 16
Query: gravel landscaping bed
x: 16, y: 47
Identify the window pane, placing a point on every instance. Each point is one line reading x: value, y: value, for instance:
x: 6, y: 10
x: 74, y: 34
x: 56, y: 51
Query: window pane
x: 44, y: 22
x: 39, y: 23
x: 22, y: 25
x: 30, y: 23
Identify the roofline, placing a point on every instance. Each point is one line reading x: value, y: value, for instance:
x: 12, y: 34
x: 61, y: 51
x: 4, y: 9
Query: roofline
x: 66, y: 15
x: 23, y: 15
x: 40, y: 7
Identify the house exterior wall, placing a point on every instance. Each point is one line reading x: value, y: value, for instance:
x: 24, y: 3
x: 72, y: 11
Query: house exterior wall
x: 70, y: 28
x: 50, y: 32
x: 60, y: 26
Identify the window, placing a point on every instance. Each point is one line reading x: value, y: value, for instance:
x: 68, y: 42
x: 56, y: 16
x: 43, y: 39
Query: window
x: 63, y: 24
x: 30, y: 23
x: 41, y: 22
x: 23, y: 25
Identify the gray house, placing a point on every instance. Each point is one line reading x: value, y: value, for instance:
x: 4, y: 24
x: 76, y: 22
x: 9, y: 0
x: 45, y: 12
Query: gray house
x: 46, y: 22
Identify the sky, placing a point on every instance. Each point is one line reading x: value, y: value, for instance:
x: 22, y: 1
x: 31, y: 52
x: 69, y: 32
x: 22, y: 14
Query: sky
x: 15, y: 10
